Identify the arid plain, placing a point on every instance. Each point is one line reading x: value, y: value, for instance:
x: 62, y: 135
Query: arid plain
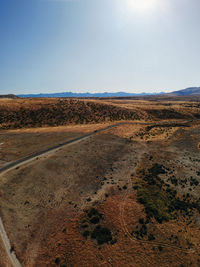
x: 125, y: 196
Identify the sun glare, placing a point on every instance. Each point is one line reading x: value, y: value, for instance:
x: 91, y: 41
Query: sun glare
x: 142, y: 5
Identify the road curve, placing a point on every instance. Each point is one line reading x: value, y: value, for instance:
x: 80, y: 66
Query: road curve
x: 11, y: 254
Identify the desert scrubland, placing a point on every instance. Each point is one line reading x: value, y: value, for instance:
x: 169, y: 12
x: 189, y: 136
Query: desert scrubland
x: 126, y: 196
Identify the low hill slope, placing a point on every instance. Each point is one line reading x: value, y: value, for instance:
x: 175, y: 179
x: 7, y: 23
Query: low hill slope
x: 39, y: 112
x: 188, y: 91
x: 54, y: 112
x: 9, y: 96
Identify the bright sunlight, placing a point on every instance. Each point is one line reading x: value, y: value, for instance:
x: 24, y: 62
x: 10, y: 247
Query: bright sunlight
x: 143, y: 5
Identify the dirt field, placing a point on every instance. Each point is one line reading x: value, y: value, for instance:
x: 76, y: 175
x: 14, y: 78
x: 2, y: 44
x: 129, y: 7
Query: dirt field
x: 16, y: 144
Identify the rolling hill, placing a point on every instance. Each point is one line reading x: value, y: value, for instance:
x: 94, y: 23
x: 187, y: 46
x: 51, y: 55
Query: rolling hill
x: 9, y: 96
x: 187, y: 92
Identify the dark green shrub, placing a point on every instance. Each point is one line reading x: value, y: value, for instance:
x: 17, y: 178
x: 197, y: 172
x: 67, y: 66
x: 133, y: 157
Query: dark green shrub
x: 95, y: 219
x: 57, y: 260
x: 102, y: 235
x: 86, y: 233
x: 93, y: 212
x: 113, y: 241
x: 85, y: 225
x: 141, y: 220
x: 143, y: 230
x: 151, y: 237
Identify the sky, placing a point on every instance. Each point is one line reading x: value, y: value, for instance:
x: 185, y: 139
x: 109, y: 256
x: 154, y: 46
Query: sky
x: 133, y: 46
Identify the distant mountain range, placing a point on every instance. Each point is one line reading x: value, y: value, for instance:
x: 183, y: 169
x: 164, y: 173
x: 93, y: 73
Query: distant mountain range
x: 192, y: 91
x: 70, y: 94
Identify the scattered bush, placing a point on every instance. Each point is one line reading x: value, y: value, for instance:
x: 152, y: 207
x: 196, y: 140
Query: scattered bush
x: 100, y: 233
x: 61, y: 112
x: 161, y: 203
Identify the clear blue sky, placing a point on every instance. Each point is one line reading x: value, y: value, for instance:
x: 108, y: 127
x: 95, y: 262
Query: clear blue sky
x: 99, y: 45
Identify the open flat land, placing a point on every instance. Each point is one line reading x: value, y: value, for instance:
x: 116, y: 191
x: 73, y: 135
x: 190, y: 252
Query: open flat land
x: 19, y: 143
x: 126, y: 196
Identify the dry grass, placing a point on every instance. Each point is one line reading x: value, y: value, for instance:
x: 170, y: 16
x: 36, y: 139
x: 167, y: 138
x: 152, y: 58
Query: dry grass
x: 16, y: 144
x: 24, y: 113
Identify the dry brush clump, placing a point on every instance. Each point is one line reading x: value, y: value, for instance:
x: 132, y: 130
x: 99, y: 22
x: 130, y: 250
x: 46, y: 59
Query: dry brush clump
x: 92, y: 226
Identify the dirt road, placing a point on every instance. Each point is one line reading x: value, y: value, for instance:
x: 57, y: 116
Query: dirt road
x: 11, y: 254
